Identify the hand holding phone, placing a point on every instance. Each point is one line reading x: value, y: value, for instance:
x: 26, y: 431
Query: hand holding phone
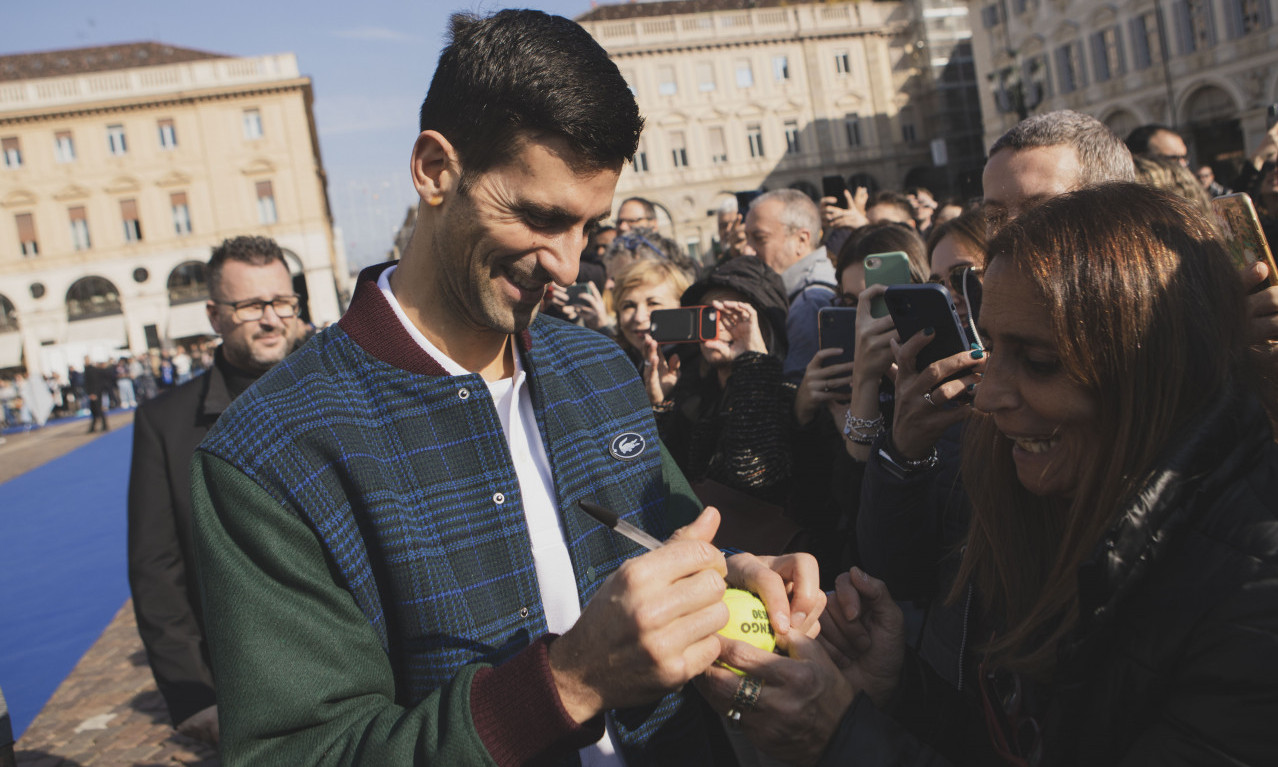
x: 915, y: 308
x: 886, y: 269
x: 687, y: 324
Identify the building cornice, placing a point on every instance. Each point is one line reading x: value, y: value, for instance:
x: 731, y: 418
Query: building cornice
x: 165, y: 100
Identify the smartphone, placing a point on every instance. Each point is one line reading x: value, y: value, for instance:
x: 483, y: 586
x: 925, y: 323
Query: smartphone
x: 576, y: 291
x: 688, y: 324
x: 915, y: 307
x: 835, y: 186
x: 836, y: 328
x: 886, y: 269
x: 1242, y: 234
x: 744, y: 199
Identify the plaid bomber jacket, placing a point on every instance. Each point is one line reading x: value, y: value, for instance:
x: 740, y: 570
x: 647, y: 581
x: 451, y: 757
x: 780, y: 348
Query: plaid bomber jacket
x: 404, y: 475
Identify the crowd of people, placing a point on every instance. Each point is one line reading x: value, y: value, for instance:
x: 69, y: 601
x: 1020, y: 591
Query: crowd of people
x: 1055, y: 546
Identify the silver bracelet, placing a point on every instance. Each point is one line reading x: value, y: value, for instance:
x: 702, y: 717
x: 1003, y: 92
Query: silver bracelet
x: 862, y: 431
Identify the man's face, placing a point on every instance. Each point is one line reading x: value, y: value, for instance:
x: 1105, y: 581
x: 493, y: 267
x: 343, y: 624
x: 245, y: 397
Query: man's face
x: 603, y: 240
x: 520, y: 226
x: 1170, y: 146
x: 257, y: 345
x: 770, y: 239
x: 1206, y: 176
x: 631, y: 215
x: 1015, y: 179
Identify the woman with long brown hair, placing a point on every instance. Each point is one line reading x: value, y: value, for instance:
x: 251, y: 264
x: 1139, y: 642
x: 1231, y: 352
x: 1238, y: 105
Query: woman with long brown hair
x: 1116, y: 600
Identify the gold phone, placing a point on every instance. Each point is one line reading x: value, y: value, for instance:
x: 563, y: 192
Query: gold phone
x: 1241, y: 232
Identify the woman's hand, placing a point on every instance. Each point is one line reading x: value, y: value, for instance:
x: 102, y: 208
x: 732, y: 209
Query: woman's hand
x: 850, y: 217
x: 660, y: 373
x: 819, y: 386
x: 873, y: 341
x: 789, y: 585
x: 590, y: 309
x: 802, y: 699
x: 741, y: 323
x: 921, y: 420
x: 864, y: 632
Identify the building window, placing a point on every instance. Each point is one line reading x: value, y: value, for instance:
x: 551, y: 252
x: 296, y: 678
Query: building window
x: 678, y: 149
x: 842, y: 63
x: 79, y: 228
x: 792, y: 137
x: 27, y: 234
x: 745, y: 74
x: 705, y: 77
x: 754, y: 137
x: 12, y: 152
x: 116, y: 143
x: 1243, y: 17
x: 907, y: 132
x: 718, y: 146
x: 780, y: 68
x: 666, y: 84
x: 132, y: 224
x: 168, y: 134
x: 63, y: 146
x: 92, y: 297
x: 266, y: 203
x: 188, y: 282
x: 1069, y: 67
x: 990, y: 16
x: 252, y: 124
x: 852, y: 126
x: 181, y: 213
x: 1108, y: 60
x: 640, y: 161
x: 1146, y: 42
x: 1195, y: 25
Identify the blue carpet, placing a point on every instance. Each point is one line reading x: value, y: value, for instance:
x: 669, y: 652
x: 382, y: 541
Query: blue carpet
x: 62, y: 567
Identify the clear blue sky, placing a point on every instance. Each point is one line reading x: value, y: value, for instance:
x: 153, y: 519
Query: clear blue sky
x: 370, y: 63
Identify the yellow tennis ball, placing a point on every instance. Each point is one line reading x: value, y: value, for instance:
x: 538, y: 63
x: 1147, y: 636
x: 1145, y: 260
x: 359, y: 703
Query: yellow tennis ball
x: 747, y: 621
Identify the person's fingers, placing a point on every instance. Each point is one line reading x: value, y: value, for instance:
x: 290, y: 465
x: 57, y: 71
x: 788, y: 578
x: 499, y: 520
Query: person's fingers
x: 877, y: 601
x: 703, y: 528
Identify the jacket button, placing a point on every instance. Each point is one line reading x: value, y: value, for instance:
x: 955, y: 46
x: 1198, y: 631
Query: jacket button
x: 590, y: 572
x: 463, y: 393
x: 499, y: 498
x: 523, y: 612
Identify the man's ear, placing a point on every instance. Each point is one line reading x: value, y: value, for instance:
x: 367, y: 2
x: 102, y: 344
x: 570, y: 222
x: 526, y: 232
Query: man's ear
x: 435, y: 167
x: 215, y: 320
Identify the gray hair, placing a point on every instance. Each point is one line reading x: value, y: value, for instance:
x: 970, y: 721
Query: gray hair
x: 798, y: 211
x: 1102, y: 156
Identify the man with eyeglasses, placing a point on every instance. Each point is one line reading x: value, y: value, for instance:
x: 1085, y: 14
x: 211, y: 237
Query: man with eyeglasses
x: 253, y: 308
x: 636, y: 213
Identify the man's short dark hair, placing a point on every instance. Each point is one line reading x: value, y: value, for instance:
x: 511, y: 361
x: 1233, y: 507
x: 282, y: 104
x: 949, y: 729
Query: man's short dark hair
x: 1138, y: 140
x: 252, y: 250
x: 1101, y: 155
x: 893, y: 199
x: 649, y: 210
x: 521, y: 73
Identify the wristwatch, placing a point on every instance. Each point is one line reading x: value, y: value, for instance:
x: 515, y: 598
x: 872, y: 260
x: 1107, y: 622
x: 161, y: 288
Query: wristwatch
x: 901, y: 467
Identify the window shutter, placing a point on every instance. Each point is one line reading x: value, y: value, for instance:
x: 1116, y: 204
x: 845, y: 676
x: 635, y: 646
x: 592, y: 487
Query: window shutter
x: 129, y: 210
x: 77, y: 213
x: 177, y: 198
x: 264, y: 190
x: 26, y: 227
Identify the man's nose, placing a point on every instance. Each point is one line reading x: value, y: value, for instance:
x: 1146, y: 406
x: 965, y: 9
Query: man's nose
x: 561, y: 256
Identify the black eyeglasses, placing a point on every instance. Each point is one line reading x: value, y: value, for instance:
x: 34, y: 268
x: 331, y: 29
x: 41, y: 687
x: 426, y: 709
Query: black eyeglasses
x: 956, y: 278
x: 253, y: 309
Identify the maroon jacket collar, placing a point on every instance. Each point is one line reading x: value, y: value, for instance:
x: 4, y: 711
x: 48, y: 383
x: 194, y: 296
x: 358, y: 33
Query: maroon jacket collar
x: 371, y: 323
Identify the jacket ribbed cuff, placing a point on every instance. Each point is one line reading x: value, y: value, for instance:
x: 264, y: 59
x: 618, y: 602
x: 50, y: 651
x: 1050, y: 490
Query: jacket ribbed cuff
x: 518, y: 714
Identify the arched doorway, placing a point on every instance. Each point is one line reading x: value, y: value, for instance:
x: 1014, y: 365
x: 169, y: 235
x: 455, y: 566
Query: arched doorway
x: 187, y: 283
x: 90, y: 297
x: 1213, y: 131
x: 10, y: 338
x: 1121, y: 122
x: 299, y: 283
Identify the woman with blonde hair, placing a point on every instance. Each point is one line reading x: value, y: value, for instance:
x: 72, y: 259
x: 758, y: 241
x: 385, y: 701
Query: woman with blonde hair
x: 643, y: 287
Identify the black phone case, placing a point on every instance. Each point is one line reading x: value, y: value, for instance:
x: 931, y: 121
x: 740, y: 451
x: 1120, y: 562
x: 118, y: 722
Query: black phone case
x: 915, y: 307
x: 836, y: 327
x: 689, y: 324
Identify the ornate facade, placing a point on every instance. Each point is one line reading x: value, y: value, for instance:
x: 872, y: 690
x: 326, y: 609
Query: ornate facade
x: 123, y: 166
x: 739, y: 95
x: 1208, y: 68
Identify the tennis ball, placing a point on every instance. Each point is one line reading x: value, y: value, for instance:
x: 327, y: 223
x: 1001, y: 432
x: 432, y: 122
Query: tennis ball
x: 747, y: 621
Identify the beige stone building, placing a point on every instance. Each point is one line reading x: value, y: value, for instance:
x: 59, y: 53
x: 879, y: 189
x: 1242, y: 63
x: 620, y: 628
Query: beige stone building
x: 741, y: 94
x: 122, y: 167
x: 1209, y: 68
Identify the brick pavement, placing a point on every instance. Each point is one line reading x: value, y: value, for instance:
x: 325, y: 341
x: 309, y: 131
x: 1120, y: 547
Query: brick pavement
x: 108, y: 713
